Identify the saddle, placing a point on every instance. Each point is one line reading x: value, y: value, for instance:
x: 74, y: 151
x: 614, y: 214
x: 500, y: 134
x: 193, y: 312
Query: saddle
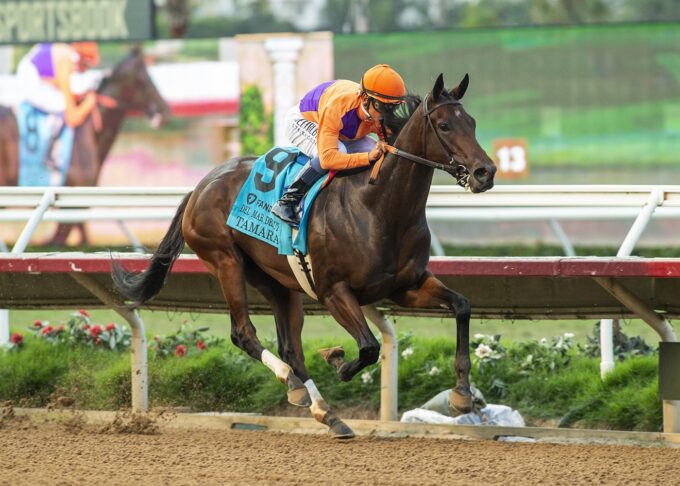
x: 250, y: 214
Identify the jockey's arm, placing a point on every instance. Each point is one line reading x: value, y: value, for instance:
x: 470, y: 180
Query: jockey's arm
x: 330, y: 157
x: 75, y: 113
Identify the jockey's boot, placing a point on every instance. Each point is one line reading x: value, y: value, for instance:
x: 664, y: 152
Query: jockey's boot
x: 286, y: 208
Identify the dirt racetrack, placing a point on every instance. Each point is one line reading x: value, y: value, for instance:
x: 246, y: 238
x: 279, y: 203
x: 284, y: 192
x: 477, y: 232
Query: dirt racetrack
x: 58, y: 453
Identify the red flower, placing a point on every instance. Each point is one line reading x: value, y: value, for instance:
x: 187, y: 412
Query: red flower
x: 37, y: 323
x: 96, y: 330
x: 16, y: 339
x: 201, y: 345
x: 180, y: 350
x: 84, y: 313
x: 110, y: 326
x: 60, y: 328
x: 86, y: 327
x: 45, y: 330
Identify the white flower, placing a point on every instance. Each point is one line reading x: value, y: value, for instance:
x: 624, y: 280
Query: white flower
x: 543, y: 341
x: 483, y: 351
x: 568, y: 335
x: 366, y: 377
x: 479, y: 336
x: 434, y: 371
x: 407, y: 352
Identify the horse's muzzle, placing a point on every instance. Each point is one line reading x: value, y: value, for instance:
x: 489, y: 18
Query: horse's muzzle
x: 482, y: 178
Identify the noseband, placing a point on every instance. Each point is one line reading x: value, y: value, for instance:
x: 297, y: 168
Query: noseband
x: 453, y: 167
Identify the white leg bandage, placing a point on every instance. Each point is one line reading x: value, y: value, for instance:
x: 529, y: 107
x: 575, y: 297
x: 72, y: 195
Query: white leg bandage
x: 319, y: 406
x: 279, y: 368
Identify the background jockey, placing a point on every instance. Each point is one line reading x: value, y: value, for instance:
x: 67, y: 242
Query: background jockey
x: 45, y: 73
x: 331, y: 124
x: 51, y: 111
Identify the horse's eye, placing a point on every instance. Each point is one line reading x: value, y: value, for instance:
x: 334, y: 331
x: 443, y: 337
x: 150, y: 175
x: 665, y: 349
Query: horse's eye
x: 443, y: 126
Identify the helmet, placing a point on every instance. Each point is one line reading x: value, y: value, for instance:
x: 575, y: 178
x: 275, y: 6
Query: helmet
x: 384, y: 84
x: 88, y: 52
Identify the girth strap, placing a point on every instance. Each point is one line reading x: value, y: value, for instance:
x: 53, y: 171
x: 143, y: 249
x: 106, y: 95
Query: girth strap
x: 301, y: 266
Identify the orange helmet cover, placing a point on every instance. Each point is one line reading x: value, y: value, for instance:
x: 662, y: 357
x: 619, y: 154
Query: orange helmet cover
x: 384, y: 84
x: 88, y: 52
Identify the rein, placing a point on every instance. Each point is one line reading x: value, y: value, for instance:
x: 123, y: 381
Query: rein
x: 453, y: 167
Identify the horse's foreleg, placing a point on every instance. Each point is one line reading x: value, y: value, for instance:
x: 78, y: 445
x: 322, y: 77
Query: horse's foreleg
x: 433, y: 293
x: 231, y: 276
x: 343, y: 306
x: 61, y: 235
x: 289, y: 317
x: 323, y: 413
x: 84, y: 240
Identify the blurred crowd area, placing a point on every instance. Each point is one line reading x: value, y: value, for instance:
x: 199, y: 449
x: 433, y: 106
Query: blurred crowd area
x: 219, y: 18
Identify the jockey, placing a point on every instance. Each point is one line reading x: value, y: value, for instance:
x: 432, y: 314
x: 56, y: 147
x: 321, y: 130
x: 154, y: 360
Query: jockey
x: 45, y: 72
x: 331, y: 126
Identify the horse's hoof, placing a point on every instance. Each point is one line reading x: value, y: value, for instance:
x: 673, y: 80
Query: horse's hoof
x: 344, y: 374
x: 340, y: 430
x: 337, y: 428
x: 461, y: 402
x: 332, y: 354
x: 297, y: 392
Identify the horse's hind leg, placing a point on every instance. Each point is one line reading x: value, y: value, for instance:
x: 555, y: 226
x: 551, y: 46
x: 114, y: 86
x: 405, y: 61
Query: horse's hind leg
x: 344, y: 307
x: 230, y: 273
x: 288, y: 314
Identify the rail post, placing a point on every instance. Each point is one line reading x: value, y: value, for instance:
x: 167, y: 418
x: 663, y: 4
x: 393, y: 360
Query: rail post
x: 388, y: 363
x: 656, y: 198
x: 140, y: 381
x: 20, y: 245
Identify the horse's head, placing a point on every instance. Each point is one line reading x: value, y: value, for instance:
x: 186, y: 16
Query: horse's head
x: 449, y: 135
x: 130, y: 84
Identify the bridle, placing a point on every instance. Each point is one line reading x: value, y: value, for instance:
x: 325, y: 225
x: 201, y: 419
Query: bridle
x: 453, y: 167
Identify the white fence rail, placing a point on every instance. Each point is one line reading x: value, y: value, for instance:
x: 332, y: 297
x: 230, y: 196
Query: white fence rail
x: 446, y: 203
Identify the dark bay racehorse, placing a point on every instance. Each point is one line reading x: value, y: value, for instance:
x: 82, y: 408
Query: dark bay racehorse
x: 384, y: 225
x: 132, y: 88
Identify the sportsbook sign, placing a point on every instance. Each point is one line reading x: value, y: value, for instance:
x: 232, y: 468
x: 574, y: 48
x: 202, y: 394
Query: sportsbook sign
x: 23, y: 21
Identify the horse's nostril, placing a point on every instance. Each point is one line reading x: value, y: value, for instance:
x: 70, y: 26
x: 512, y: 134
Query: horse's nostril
x: 481, y: 174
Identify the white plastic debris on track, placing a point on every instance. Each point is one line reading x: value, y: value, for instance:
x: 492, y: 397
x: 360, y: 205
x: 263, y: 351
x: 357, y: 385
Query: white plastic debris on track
x: 438, y: 411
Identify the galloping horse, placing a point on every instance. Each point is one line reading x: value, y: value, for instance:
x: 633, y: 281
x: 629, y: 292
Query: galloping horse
x: 132, y: 88
x: 383, y: 224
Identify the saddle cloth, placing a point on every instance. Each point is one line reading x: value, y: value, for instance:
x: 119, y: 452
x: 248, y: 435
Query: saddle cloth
x: 272, y: 173
x: 45, y: 147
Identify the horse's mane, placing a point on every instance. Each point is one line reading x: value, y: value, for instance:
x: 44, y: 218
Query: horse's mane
x: 396, y: 121
x: 111, y: 75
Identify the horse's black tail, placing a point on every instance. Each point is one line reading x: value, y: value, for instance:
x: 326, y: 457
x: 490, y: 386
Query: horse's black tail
x: 141, y: 287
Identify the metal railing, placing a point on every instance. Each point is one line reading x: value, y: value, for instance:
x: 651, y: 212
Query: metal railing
x: 445, y: 203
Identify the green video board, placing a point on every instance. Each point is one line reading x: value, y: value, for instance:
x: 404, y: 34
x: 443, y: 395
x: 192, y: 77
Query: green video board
x: 34, y: 21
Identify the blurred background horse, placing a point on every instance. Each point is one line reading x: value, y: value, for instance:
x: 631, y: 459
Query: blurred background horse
x: 131, y: 86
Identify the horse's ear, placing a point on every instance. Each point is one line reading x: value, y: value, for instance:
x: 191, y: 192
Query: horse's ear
x: 438, y: 86
x: 459, y: 91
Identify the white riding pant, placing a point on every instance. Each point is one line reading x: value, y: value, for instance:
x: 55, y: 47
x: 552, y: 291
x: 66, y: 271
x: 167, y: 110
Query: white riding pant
x: 302, y: 134
x: 38, y: 92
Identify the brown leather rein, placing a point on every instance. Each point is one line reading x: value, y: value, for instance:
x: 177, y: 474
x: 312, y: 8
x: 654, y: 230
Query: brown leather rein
x: 453, y: 167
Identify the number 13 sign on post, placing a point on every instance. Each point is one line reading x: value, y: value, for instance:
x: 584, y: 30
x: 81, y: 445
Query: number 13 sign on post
x: 510, y: 155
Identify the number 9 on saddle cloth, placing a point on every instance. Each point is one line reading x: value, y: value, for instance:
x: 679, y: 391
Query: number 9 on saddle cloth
x: 271, y: 174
